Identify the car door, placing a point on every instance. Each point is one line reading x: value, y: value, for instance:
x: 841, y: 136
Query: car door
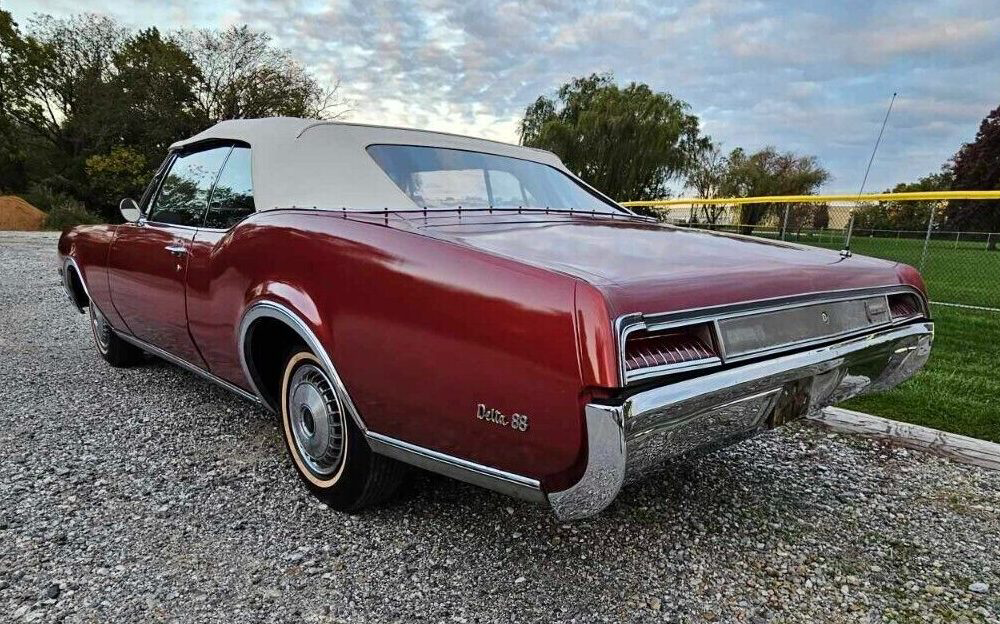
x: 148, y: 260
x: 215, y: 284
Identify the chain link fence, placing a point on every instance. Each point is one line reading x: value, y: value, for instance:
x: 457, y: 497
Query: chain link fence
x: 960, y: 267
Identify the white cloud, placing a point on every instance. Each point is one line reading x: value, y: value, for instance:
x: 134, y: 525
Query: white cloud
x: 813, y: 77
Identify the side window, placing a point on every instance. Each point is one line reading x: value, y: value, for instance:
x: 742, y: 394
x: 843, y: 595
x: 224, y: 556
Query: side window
x: 184, y: 193
x: 232, y: 199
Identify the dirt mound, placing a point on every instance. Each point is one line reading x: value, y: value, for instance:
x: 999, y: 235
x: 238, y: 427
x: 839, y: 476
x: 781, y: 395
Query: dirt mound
x: 17, y: 214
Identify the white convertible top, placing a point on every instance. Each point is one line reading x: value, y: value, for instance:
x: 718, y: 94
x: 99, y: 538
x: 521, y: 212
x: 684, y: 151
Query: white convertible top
x: 308, y: 163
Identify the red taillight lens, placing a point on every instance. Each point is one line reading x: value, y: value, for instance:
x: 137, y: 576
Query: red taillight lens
x: 904, y: 305
x: 645, y: 349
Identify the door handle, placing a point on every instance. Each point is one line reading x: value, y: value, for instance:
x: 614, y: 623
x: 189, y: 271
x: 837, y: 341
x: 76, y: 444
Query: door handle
x: 177, y: 250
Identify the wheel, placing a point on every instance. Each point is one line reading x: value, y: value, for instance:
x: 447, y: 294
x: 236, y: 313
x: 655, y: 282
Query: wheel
x: 327, y: 448
x: 113, y: 349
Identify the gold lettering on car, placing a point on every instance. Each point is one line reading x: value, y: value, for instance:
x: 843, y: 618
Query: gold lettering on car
x: 517, y: 422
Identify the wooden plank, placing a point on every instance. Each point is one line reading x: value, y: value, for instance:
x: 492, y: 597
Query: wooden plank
x: 958, y: 448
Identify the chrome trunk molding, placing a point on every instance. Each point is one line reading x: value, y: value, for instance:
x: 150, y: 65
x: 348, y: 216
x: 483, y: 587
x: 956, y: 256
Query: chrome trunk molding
x: 629, y: 437
x: 716, y: 315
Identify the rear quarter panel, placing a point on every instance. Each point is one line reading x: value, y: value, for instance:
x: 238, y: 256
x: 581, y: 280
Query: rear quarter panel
x: 421, y: 331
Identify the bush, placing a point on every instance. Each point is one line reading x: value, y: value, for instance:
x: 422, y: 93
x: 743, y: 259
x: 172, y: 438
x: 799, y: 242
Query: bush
x: 67, y: 213
x: 45, y: 198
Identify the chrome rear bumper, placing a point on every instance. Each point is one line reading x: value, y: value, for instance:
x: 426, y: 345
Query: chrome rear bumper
x: 629, y: 438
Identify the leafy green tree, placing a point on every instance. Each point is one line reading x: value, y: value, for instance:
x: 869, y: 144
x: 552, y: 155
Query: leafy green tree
x: 768, y: 172
x: 153, y: 87
x: 976, y: 167
x: 705, y: 174
x: 629, y: 142
x: 121, y: 173
x: 895, y: 215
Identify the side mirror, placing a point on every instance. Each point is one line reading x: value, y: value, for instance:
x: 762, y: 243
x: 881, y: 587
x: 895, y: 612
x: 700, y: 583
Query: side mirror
x: 130, y: 210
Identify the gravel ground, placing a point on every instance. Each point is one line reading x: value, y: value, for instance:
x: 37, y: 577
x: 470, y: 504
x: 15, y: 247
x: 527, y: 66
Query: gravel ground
x: 150, y: 495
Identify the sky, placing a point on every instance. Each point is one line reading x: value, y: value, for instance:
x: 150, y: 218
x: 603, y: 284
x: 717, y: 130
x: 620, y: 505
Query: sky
x: 811, y: 77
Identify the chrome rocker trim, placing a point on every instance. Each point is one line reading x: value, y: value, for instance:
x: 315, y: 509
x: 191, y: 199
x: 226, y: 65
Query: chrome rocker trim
x: 477, y: 474
x: 197, y: 370
x: 633, y: 436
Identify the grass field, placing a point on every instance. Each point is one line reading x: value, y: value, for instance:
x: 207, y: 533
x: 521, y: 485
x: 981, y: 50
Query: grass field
x: 961, y: 271
x: 966, y: 273
x: 959, y: 390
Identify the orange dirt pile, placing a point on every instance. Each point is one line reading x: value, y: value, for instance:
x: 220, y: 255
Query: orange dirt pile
x: 17, y: 214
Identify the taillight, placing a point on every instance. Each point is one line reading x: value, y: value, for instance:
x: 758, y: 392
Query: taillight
x: 669, y: 348
x: 904, y: 306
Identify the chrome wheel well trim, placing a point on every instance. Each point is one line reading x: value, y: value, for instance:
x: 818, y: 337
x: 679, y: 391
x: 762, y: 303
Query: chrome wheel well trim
x: 274, y: 310
x: 70, y: 264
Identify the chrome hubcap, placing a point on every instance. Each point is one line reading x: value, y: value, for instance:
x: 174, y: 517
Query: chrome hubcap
x: 316, y: 419
x: 102, y: 330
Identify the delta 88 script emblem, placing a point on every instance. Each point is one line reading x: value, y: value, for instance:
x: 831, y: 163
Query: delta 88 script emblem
x: 518, y: 422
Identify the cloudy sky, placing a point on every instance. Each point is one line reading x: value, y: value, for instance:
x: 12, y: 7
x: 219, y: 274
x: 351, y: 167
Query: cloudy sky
x: 814, y: 77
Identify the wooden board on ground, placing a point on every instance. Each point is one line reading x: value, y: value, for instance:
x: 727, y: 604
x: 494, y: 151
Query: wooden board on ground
x: 952, y: 446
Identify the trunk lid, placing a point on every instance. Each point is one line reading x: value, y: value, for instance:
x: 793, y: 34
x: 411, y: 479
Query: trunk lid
x: 651, y: 268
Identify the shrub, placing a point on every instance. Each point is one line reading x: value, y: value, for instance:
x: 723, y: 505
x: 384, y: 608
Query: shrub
x: 67, y: 213
x: 45, y: 198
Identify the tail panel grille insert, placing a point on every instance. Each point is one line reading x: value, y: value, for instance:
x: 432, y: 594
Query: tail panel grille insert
x: 652, y: 350
x: 903, y: 306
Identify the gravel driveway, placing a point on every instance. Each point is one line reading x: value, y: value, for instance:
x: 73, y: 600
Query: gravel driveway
x: 150, y: 495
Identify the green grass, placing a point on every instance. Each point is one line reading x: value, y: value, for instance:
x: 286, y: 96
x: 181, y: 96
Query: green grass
x: 966, y: 273
x: 962, y: 271
x: 959, y: 389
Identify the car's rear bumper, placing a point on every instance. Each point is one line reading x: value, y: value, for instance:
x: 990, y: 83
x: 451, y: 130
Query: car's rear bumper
x: 629, y: 437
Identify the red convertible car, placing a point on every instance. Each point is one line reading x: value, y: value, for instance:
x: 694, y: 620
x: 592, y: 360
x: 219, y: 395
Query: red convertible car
x: 473, y: 308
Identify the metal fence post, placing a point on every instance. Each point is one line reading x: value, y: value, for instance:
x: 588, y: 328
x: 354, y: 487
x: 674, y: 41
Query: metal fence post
x: 927, y: 238
x: 784, y: 222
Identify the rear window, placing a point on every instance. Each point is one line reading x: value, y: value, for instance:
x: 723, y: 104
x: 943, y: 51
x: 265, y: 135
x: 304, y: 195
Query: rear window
x: 438, y: 178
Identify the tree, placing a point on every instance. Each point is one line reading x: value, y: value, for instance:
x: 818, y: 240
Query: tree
x: 153, y: 87
x: 628, y: 142
x: 976, y: 167
x: 89, y: 107
x: 242, y: 75
x: 909, y: 215
x: 769, y: 172
x: 704, y: 177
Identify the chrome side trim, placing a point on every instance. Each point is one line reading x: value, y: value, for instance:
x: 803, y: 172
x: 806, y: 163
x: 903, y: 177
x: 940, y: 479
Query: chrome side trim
x: 477, y: 474
x: 277, y: 311
x: 640, y: 431
x: 197, y: 370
